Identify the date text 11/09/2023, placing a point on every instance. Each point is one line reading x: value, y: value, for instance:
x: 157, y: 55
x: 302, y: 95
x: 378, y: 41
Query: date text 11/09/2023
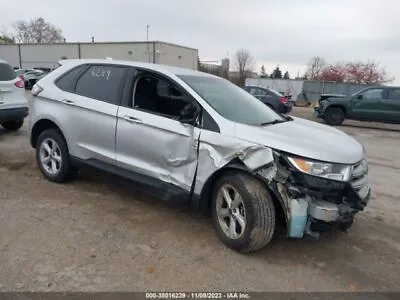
x: 197, y: 295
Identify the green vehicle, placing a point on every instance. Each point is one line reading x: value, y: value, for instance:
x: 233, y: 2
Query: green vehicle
x: 376, y: 104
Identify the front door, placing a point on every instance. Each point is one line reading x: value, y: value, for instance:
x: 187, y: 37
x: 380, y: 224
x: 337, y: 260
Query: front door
x: 150, y: 139
x: 368, y: 105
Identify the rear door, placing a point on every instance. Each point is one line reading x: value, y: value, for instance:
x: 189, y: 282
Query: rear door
x: 11, y: 88
x: 90, y: 103
x: 368, y: 105
x: 391, y: 105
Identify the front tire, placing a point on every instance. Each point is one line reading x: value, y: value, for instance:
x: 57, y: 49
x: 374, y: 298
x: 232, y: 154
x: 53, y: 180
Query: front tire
x: 52, y: 156
x: 334, y: 116
x: 243, y: 212
x: 13, y: 125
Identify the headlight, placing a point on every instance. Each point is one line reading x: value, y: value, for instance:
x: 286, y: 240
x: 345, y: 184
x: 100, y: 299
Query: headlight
x: 327, y: 170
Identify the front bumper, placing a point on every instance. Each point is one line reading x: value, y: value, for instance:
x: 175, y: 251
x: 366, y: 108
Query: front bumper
x: 12, y: 114
x: 316, y: 204
x: 318, y: 113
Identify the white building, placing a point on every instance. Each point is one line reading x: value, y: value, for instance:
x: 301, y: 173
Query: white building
x: 47, y: 55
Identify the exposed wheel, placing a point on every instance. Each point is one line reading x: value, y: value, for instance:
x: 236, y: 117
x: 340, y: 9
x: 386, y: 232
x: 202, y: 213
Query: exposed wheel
x: 334, y: 116
x: 13, y: 125
x: 52, y: 156
x: 243, y: 212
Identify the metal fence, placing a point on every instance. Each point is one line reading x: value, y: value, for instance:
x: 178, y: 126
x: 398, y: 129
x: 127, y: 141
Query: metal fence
x: 313, y: 89
x: 306, y: 90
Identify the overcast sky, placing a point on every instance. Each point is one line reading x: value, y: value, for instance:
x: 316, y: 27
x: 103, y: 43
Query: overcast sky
x: 285, y: 33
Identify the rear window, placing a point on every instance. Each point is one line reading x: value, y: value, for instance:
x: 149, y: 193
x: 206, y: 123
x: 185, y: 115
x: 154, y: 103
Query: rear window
x: 275, y: 93
x: 67, y: 82
x: 6, y: 72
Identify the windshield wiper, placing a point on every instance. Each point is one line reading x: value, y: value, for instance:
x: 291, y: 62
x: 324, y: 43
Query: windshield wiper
x: 276, y: 121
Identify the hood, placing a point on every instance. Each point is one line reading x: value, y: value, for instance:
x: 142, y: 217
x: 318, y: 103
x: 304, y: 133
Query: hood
x: 305, y: 138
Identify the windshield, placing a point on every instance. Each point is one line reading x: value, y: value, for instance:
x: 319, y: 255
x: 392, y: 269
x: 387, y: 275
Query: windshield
x: 230, y: 101
x: 359, y: 92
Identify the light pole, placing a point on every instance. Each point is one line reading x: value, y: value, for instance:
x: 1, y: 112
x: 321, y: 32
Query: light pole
x: 147, y: 39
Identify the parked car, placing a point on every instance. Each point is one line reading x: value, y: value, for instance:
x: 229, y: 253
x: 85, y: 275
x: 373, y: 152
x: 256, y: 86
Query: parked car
x: 30, y: 73
x: 196, y: 138
x: 271, y: 98
x: 377, y: 104
x: 13, y: 104
x: 22, y: 72
x: 31, y: 79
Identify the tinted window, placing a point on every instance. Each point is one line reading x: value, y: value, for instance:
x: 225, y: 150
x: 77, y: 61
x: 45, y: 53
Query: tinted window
x: 230, y: 101
x: 67, y: 82
x: 102, y: 83
x: 257, y: 92
x: 6, y: 72
x: 394, y: 94
x: 373, y: 94
x: 274, y: 93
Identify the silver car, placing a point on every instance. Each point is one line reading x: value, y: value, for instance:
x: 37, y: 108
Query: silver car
x: 196, y: 138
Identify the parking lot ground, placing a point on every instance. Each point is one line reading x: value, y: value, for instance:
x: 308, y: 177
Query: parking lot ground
x: 96, y: 234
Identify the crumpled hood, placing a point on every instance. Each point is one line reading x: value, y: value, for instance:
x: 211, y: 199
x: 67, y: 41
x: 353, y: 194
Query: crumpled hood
x: 305, y: 138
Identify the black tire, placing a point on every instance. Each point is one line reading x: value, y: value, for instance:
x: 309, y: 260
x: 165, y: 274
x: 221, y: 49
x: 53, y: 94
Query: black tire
x: 334, y: 116
x: 259, y: 213
x: 66, y: 171
x: 13, y: 125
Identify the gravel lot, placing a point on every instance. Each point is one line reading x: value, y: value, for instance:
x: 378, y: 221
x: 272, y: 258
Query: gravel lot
x: 95, y: 234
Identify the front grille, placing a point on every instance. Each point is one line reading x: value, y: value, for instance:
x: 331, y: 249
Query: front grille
x: 359, y: 178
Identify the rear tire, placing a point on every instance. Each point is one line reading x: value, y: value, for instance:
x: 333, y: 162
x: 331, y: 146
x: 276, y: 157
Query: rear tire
x: 13, y: 125
x: 334, y: 116
x: 248, y: 223
x: 53, y: 158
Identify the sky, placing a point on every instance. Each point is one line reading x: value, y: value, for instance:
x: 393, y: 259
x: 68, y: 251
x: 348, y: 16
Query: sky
x: 287, y: 33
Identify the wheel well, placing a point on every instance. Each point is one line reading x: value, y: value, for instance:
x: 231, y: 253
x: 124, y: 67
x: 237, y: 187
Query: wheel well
x: 338, y: 106
x: 206, y: 194
x: 38, y: 128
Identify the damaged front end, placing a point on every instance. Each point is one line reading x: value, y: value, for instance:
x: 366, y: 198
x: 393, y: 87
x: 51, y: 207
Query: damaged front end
x: 317, y: 196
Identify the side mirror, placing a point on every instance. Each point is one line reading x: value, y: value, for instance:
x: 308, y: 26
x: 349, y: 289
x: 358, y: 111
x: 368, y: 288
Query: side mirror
x: 189, y: 114
x: 359, y: 96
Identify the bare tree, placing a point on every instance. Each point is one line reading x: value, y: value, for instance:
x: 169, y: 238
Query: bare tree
x: 37, y: 31
x: 244, y: 64
x: 314, y: 67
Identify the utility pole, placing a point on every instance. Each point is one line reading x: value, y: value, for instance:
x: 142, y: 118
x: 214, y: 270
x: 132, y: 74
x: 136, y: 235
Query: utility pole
x: 147, y: 42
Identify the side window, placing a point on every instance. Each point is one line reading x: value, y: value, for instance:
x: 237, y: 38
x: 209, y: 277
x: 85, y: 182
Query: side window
x: 159, y: 96
x: 253, y: 91
x: 102, y: 82
x: 373, y: 94
x: 394, y: 94
x: 67, y: 82
x: 262, y: 92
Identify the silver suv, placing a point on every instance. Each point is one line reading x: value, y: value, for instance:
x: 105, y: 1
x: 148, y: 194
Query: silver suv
x: 188, y: 136
x: 13, y: 104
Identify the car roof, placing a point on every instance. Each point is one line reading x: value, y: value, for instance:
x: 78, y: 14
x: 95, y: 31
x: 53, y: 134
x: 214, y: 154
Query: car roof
x: 154, y: 67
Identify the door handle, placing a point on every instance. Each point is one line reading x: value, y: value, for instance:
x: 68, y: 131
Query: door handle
x: 132, y: 119
x: 68, y: 102
x: 1, y: 102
